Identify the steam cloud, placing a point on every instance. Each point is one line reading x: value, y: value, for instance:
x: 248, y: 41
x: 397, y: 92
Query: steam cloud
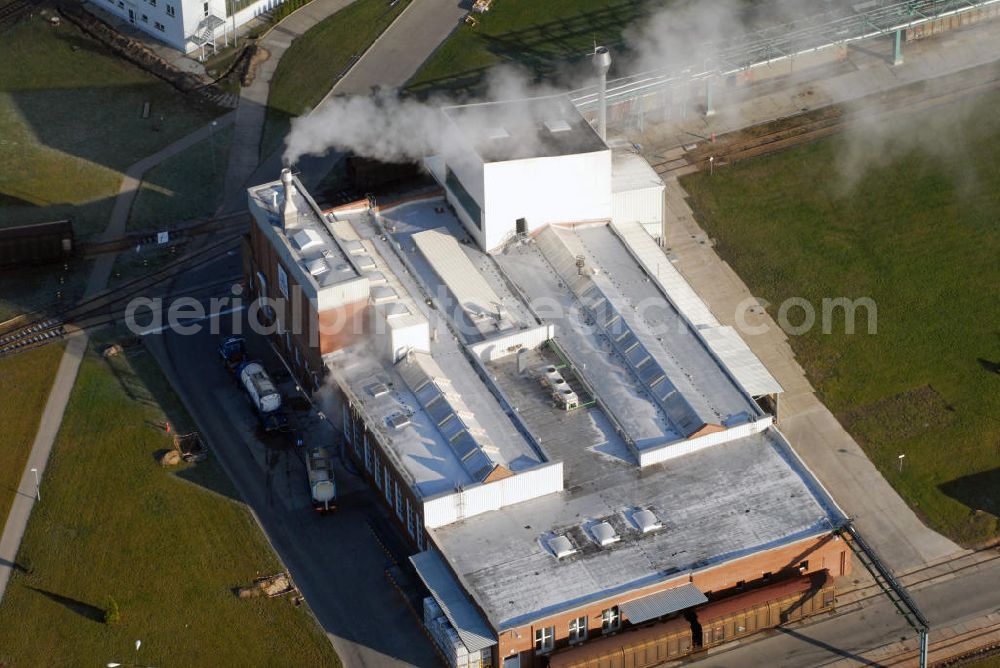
x: 390, y: 127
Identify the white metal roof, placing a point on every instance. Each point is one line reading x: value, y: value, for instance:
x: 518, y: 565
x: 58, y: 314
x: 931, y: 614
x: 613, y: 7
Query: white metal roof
x: 630, y: 171
x: 468, y: 623
x: 452, y: 265
x: 660, y: 269
x: 662, y: 603
x: 747, y: 368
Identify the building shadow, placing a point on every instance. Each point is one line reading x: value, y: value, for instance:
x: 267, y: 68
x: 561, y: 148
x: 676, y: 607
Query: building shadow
x: 828, y: 647
x: 86, y: 610
x: 978, y: 491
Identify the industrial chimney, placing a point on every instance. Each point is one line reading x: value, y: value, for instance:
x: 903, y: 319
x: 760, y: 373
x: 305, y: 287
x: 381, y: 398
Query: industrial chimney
x: 289, y: 214
x: 602, y: 63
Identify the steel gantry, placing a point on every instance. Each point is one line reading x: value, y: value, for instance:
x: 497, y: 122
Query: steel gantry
x: 783, y: 42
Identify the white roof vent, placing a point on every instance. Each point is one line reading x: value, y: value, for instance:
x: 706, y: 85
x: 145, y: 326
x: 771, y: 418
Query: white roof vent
x: 557, y: 125
x: 304, y: 239
x: 497, y: 132
x: 646, y: 521
x: 377, y: 389
x: 604, y: 534
x: 561, y: 547
x: 318, y: 267
x: 399, y: 420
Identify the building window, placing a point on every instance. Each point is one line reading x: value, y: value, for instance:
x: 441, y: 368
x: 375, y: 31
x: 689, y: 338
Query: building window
x: 399, y: 500
x: 465, y: 200
x: 578, y: 629
x: 827, y: 598
x: 376, y: 468
x: 804, y: 566
x: 159, y: 26
x: 206, y: 9
x: 420, y: 531
x: 145, y: 19
x: 611, y: 620
x: 545, y: 639
x: 409, y: 517
x: 767, y: 576
x: 171, y: 11
x: 298, y: 358
x: 283, y: 281
x: 368, y: 456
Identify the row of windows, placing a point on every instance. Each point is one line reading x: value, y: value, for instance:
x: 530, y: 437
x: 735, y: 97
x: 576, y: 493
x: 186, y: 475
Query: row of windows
x: 145, y: 19
x: 384, y: 479
x: 545, y: 637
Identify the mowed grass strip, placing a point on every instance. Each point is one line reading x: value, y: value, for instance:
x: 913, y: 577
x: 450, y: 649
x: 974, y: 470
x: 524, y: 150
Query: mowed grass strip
x: 918, y: 232
x: 542, y: 37
x: 308, y: 69
x: 112, y: 522
x: 71, y: 122
x: 25, y: 382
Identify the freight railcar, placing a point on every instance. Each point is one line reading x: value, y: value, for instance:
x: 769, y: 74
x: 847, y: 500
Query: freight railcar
x: 706, y: 626
x: 36, y: 243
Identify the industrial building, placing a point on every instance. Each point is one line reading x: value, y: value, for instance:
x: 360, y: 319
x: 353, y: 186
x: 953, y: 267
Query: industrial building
x: 574, y: 446
x: 188, y: 25
x: 514, y: 167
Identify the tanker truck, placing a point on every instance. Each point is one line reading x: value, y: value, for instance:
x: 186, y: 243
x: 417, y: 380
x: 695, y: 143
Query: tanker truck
x: 263, y: 395
x: 258, y: 386
x: 322, y: 486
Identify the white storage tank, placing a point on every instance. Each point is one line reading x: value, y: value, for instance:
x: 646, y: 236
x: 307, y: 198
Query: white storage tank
x: 260, y: 387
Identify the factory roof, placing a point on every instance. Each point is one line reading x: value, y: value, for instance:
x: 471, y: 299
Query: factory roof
x: 519, y: 129
x: 306, y: 243
x: 456, y: 404
x: 714, y: 505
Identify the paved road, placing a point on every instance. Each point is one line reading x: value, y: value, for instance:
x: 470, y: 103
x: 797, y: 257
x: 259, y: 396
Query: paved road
x: 76, y: 347
x: 397, y: 55
x: 335, y: 560
x: 245, y: 148
x: 849, y: 636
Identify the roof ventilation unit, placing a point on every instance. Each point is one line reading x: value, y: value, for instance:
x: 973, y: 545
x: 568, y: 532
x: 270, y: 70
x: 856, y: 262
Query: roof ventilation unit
x: 561, y: 547
x: 399, y: 420
x: 646, y: 521
x: 377, y: 389
x: 318, y: 267
x: 604, y: 534
x: 557, y: 125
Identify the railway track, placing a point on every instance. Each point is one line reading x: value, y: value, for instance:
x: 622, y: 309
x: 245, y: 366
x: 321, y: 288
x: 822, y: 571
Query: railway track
x: 811, y: 125
x: 11, y: 11
x: 27, y: 332
x: 220, y: 224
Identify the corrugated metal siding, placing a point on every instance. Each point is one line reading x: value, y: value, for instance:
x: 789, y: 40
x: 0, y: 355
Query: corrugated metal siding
x: 499, y: 346
x: 531, y: 484
x: 661, y: 270
x: 643, y: 206
x: 662, y: 603
x: 746, y: 367
x: 471, y: 627
x: 680, y: 448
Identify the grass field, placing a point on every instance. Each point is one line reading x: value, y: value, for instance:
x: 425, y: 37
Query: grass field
x: 71, y: 122
x: 112, y: 522
x: 25, y: 381
x: 540, y: 36
x: 187, y: 186
x: 919, y: 234
x: 309, y: 67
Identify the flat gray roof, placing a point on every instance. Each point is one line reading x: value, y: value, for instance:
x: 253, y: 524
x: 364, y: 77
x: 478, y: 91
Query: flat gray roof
x: 715, y: 505
x: 532, y: 128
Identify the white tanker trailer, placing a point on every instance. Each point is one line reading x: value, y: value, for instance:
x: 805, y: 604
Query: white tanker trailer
x: 263, y: 395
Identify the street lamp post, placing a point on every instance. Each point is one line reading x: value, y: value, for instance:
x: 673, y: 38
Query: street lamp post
x: 38, y: 489
x: 901, y: 458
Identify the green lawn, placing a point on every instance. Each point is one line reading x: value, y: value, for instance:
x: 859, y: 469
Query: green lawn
x: 112, y: 522
x: 540, y: 36
x: 71, y: 122
x: 25, y: 381
x: 187, y: 186
x: 309, y: 67
x: 919, y: 234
